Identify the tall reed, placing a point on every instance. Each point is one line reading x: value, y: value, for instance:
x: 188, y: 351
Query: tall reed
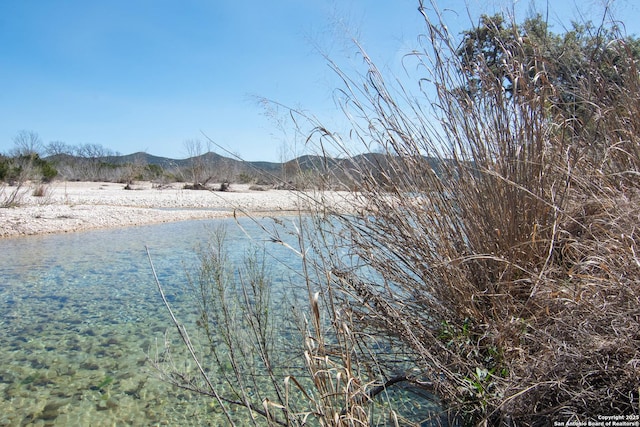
x: 485, y: 255
x: 290, y: 367
x: 500, y: 225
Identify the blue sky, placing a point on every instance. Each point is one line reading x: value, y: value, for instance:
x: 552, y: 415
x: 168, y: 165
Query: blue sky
x: 147, y: 75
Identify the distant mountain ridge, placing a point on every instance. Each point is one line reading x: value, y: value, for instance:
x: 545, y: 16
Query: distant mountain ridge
x: 212, y: 165
x: 210, y: 159
x: 305, y: 162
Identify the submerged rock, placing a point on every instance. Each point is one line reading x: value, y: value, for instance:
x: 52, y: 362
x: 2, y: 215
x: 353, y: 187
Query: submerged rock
x: 52, y: 409
x: 106, y: 404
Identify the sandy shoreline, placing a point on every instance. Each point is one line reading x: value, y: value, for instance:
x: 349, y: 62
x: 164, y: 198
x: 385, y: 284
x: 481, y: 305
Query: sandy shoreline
x: 76, y: 206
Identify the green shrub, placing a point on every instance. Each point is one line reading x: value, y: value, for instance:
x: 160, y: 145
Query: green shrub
x: 48, y: 171
x: 4, y: 168
x: 245, y: 178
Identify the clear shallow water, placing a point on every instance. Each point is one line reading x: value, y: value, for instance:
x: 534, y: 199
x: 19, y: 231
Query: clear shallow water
x: 79, y: 312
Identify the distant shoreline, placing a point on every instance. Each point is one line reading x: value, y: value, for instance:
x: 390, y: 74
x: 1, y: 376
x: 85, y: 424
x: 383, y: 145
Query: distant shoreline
x: 67, y: 207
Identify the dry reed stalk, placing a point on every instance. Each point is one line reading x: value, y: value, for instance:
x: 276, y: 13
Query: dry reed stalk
x: 506, y: 263
x: 489, y: 255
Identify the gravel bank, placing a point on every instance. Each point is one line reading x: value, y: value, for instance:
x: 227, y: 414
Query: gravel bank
x: 76, y: 206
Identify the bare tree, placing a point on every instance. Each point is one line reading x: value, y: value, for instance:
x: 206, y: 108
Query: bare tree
x: 93, y: 151
x: 27, y: 143
x: 26, y: 153
x: 197, y: 163
x: 91, y: 160
x: 55, y: 148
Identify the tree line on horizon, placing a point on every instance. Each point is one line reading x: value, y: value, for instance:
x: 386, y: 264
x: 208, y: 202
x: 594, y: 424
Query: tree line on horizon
x: 32, y: 160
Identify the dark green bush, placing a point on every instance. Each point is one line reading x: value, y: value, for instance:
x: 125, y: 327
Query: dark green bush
x: 48, y: 171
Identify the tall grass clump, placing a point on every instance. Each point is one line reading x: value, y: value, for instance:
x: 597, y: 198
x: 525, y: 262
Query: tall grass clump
x: 232, y: 355
x: 482, y: 253
x: 264, y: 349
x: 498, y: 218
x: 11, y: 196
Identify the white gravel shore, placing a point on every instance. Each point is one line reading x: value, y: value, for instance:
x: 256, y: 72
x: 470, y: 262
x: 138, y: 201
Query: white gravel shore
x: 75, y: 206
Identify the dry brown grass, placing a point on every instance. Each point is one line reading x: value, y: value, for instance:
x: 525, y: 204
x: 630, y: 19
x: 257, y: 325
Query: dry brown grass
x: 509, y: 272
x: 237, y: 354
x: 493, y: 259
